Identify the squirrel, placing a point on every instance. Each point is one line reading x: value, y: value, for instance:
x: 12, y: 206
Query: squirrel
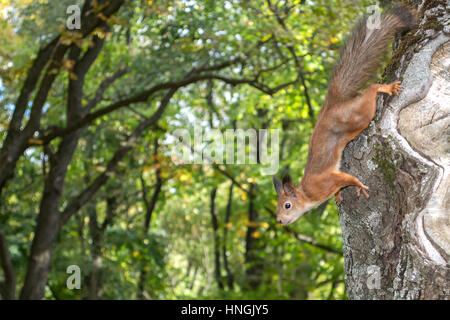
x: 343, y: 116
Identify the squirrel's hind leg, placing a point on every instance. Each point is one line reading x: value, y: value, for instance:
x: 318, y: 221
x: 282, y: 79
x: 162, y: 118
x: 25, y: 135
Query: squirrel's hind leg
x: 342, y: 179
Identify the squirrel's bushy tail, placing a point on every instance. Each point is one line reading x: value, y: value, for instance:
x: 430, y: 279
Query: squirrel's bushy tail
x: 362, y: 53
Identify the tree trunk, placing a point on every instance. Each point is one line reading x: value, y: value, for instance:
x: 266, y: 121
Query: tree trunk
x: 16, y: 141
x: 48, y: 221
x: 96, y: 235
x: 230, y: 277
x: 215, y: 227
x: 8, y: 286
x: 149, y: 208
x: 396, y: 243
x: 253, y: 261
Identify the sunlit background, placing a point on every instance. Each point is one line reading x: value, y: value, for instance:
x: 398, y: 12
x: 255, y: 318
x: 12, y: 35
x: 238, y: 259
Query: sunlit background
x: 154, y: 229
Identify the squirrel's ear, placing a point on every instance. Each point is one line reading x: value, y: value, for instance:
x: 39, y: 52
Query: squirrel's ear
x: 288, y: 186
x: 287, y: 179
x: 277, y: 184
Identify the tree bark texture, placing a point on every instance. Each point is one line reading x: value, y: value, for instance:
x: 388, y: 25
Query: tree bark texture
x: 397, y: 242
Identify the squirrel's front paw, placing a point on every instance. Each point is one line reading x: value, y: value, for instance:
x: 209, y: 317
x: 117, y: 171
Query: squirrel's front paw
x: 394, y: 87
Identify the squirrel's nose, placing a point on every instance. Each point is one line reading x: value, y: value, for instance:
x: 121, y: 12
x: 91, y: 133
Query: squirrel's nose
x: 279, y: 220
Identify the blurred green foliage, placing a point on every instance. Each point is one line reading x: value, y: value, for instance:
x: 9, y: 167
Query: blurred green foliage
x: 161, y: 41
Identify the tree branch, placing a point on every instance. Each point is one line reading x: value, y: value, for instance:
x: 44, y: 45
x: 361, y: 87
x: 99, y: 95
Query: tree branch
x: 146, y: 94
x: 76, y: 81
x: 150, y: 205
x: 106, y: 83
x: 120, y: 153
x: 304, y: 238
x: 281, y: 22
x: 49, y: 57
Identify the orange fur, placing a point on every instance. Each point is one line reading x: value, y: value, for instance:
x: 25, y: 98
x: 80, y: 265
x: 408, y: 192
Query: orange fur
x: 344, y: 115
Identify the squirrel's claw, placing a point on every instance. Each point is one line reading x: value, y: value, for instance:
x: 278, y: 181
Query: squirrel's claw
x: 390, y: 88
x: 363, y: 188
x: 338, y: 198
x: 396, y: 87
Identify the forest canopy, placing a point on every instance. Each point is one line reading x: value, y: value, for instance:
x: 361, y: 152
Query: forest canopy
x: 87, y: 170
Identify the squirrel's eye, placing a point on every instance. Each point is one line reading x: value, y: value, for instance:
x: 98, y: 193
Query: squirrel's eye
x: 287, y: 205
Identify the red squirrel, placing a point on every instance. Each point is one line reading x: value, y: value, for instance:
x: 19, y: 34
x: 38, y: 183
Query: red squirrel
x: 344, y: 115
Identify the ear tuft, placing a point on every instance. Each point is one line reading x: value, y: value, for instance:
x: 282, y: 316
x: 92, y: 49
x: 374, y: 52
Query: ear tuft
x: 288, y: 186
x: 278, y: 186
x: 287, y: 179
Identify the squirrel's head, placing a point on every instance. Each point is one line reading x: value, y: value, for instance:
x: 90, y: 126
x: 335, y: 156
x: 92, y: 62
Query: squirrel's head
x: 291, y: 203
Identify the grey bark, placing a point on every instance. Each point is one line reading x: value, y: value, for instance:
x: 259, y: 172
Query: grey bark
x: 397, y: 242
